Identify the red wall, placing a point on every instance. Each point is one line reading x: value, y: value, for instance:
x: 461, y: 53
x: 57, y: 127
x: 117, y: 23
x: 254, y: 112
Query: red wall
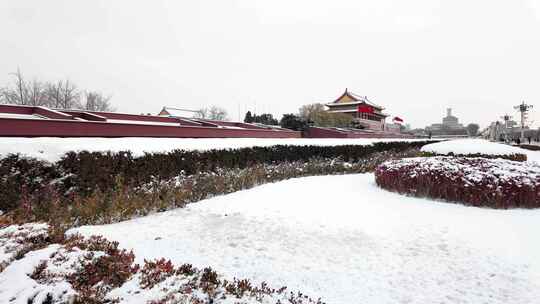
x: 68, y: 123
x: 314, y: 132
x: 73, y: 128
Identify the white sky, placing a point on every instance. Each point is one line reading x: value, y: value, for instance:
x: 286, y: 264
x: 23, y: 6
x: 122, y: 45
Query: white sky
x: 415, y: 57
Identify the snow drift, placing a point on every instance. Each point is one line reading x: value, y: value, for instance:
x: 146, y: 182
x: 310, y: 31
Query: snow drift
x: 348, y: 241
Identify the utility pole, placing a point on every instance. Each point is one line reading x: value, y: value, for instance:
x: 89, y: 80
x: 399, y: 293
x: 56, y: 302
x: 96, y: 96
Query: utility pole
x: 523, y: 108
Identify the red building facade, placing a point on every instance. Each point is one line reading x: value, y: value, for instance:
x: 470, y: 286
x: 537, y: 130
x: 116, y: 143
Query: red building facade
x: 367, y: 113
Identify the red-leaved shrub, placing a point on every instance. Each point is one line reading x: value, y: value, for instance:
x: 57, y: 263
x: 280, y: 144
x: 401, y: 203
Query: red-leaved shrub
x: 494, y: 183
x: 156, y: 272
x: 98, y: 273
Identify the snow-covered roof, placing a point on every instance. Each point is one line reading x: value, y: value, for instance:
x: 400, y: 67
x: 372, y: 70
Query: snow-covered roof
x: 21, y: 116
x: 275, y: 127
x: 354, y: 111
x: 176, y: 112
x: 140, y: 122
x: 358, y: 99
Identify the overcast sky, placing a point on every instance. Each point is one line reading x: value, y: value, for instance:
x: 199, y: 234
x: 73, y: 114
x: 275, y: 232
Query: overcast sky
x: 414, y: 57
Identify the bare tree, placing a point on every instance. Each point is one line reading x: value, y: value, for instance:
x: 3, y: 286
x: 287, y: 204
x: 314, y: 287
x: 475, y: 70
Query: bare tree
x: 202, y: 113
x: 213, y: 113
x: 20, y: 88
x: 18, y: 94
x: 35, y: 93
x: 8, y: 96
x: 24, y: 92
x: 315, y: 113
x: 217, y: 113
x: 69, y: 95
x: 62, y: 94
x: 96, y: 101
x: 309, y: 111
x: 54, y: 94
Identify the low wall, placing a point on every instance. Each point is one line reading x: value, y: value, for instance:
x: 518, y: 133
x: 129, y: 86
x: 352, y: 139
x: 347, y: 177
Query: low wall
x: 42, y: 122
x: 11, y: 127
x: 315, y: 132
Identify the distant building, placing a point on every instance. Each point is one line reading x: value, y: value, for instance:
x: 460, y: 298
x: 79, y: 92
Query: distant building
x: 175, y: 112
x: 451, y: 122
x: 450, y: 126
x: 365, y: 112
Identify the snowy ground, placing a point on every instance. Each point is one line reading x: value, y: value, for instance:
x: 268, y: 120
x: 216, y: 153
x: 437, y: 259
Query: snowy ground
x: 344, y: 239
x: 472, y: 146
x: 52, y: 148
x: 57, y: 273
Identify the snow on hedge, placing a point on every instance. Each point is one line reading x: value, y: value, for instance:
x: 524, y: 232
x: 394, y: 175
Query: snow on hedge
x: 348, y: 241
x: 17, y: 286
x: 472, y: 170
x: 52, y: 148
x: 471, y: 146
x: 495, y: 183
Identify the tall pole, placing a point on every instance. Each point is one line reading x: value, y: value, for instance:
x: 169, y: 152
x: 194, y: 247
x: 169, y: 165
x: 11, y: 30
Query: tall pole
x: 523, y: 108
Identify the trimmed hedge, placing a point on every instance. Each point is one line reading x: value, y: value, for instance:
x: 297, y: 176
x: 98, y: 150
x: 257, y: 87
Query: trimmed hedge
x: 93, y: 170
x: 514, y: 157
x: 83, y: 174
x: 493, y: 183
x: 530, y: 147
x: 122, y: 201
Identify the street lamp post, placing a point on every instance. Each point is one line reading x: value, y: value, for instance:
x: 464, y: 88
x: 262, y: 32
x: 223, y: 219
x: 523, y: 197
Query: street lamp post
x: 523, y: 108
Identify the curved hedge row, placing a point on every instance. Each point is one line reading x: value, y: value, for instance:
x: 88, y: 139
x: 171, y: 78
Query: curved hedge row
x: 83, y: 174
x: 88, y: 170
x: 493, y: 183
x: 530, y: 147
x: 515, y: 157
x: 474, y: 148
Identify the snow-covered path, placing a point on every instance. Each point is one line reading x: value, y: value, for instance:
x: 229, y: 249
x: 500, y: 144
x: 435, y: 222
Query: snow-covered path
x: 344, y: 239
